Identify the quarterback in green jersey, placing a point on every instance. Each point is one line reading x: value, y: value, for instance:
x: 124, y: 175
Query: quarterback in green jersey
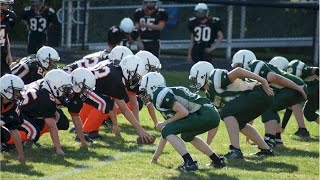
x: 289, y: 90
x: 238, y: 101
x: 184, y: 113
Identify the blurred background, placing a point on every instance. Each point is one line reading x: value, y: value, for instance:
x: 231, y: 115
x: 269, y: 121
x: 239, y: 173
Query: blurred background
x: 268, y: 28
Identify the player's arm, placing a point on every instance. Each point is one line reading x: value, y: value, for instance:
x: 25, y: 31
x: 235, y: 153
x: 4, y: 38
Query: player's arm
x: 152, y: 113
x: 9, y: 56
x: 282, y: 81
x: 315, y: 70
x: 159, y: 150
x: 17, y: 142
x: 217, y: 41
x: 156, y: 27
x: 51, y: 122
x: 78, y: 126
x: 134, y: 103
x: 113, y: 116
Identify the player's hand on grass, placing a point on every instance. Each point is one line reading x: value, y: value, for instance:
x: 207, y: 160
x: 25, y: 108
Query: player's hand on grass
x: 60, y: 152
x: 154, y: 161
x: 160, y: 125
x: 145, y: 136
x: 21, y: 159
x: 116, y: 130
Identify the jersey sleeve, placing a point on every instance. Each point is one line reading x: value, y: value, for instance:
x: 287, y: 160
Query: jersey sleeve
x: 74, y: 105
x: 12, y: 19
x: 163, y: 15
x: 119, y: 88
x: 53, y: 16
x: 165, y: 99
x: 50, y: 108
x: 191, y: 24
x: 137, y: 15
x: 217, y: 23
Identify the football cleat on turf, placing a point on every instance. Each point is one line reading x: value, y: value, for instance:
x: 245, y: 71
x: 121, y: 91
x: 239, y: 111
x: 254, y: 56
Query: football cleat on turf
x: 234, y: 153
x: 265, y: 152
x: 219, y: 165
x: 85, y: 137
x: 302, y: 132
x: 278, y: 142
x: 270, y: 141
x: 189, y: 166
x: 108, y: 122
x: 94, y: 135
x: 72, y: 130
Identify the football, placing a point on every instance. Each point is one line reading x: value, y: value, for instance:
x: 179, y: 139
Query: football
x: 139, y: 140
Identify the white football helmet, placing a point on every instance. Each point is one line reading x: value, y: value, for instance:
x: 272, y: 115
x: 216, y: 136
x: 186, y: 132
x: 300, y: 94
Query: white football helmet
x: 7, y: 1
x: 126, y: 25
x: 201, y: 10
x: 150, y: 82
x: 199, y: 74
x: 243, y: 58
x: 10, y: 83
x: 132, y: 69
x: 82, y: 78
x: 58, y: 82
x: 47, y: 56
x: 118, y: 53
x: 280, y: 62
x: 151, y: 61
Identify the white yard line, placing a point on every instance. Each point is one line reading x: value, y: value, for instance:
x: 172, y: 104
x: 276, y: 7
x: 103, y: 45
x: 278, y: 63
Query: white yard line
x: 118, y: 156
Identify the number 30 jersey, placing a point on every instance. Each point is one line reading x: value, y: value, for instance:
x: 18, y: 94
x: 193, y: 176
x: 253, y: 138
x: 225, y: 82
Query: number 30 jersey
x: 204, y: 33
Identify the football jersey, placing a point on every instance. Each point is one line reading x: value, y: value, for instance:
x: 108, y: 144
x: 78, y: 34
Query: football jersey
x: 164, y: 98
x: 7, y: 21
x: 291, y: 77
x: 28, y: 69
x: 10, y: 115
x: 204, y: 33
x: 89, y: 60
x: 109, y: 80
x: 39, y: 23
x: 117, y: 37
x: 74, y: 104
x: 154, y: 18
x: 38, y: 104
x: 300, y: 69
x: 222, y: 90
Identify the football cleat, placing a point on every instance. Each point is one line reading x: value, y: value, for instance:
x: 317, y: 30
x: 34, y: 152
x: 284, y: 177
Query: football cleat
x: 234, y: 153
x: 219, y: 165
x: 265, y: 152
x: 302, y: 132
x: 189, y: 166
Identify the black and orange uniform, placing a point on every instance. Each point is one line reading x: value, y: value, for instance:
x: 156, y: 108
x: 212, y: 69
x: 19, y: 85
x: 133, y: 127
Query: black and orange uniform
x: 28, y: 69
x: 118, y: 37
x: 38, y: 24
x: 204, y: 33
x: 7, y: 21
x: 150, y: 38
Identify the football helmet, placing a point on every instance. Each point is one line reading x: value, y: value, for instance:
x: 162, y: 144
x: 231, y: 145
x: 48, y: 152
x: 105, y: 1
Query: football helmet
x: 118, y: 53
x: 37, y: 3
x: 201, y: 10
x: 199, y: 74
x: 82, y: 78
x: 11, y: 87
x: 150, y: 4
x: 280, y: 62
x: 151, y: 62
x: 47, y: 56
x: 243, y: 58
x: 58, y: 82
x: 150, y: 82
x: 132, y: 69
x: 126, y: 25
x: 7, y: 1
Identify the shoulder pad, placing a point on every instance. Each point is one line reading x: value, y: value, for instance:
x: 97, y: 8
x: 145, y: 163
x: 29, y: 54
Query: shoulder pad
x: 192, y: 18
x: 161, y: 9
x: 28, y: 8
x: 215, y: 19
x: 139, y: 9
x: 51, y: 10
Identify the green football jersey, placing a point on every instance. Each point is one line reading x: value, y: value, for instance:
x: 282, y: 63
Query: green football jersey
x: 222, y: 90
x: 300, y: 69
x: 260, y: 68
x: 164, y: 98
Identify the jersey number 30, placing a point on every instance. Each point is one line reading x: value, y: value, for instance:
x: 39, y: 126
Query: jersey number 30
x: 202, y: 34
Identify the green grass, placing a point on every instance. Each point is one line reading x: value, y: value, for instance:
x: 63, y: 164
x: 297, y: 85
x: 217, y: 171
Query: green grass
x: 122, y: 158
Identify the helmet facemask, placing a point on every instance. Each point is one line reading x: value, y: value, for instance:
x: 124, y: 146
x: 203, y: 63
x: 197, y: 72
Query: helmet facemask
x: 82, y: 88
x: 13, y: 93
x: 201, y: 14
x: 196, y: 84
x: 133, y: 77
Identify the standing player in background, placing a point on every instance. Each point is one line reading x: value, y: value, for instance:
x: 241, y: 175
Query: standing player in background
x: 125, y: 35
x: 206, y: 34
x: 38, y: 17
x: 7, y: 21
x: 150, y: 20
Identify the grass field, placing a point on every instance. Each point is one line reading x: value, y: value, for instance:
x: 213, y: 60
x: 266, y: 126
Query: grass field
x: 121, y: 158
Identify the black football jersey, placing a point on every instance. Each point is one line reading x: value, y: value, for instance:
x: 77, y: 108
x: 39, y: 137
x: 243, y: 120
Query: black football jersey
x: 74, y: 104
x: 7, y: 21
x: 29, y: 70
x: 206, y: 33
x: 10, y: 115
x: 38, y: 23
x: 154, y: 18
x: 38, y: 104
x: 110, y: 81
x: 117, y: 37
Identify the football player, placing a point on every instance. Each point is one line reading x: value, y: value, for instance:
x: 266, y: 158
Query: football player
x: 126, y: 34
x: 184, y: 113
x: 7, y: 20
x: 228, y: 92
x: 10, y: 88
x: 288, y: 91
x: 150, y: 21
x: 206, y: 34
x: 38, y: 17
x: 34, y: 67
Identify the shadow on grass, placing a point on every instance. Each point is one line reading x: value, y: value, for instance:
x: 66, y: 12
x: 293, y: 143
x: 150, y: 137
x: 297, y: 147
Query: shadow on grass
x: 195, y: 176
x: 285, y: 151
x: 256, y: 164
x: 19, y: 168
x: 306, y: 139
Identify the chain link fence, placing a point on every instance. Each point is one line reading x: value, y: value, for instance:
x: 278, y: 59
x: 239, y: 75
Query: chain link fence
x: 269, y: 31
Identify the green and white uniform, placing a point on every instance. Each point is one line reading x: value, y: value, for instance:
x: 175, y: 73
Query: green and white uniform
x: 283, y: 97
x: 304, y: 71
x: 242, y: 99
x: 202, y: 117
